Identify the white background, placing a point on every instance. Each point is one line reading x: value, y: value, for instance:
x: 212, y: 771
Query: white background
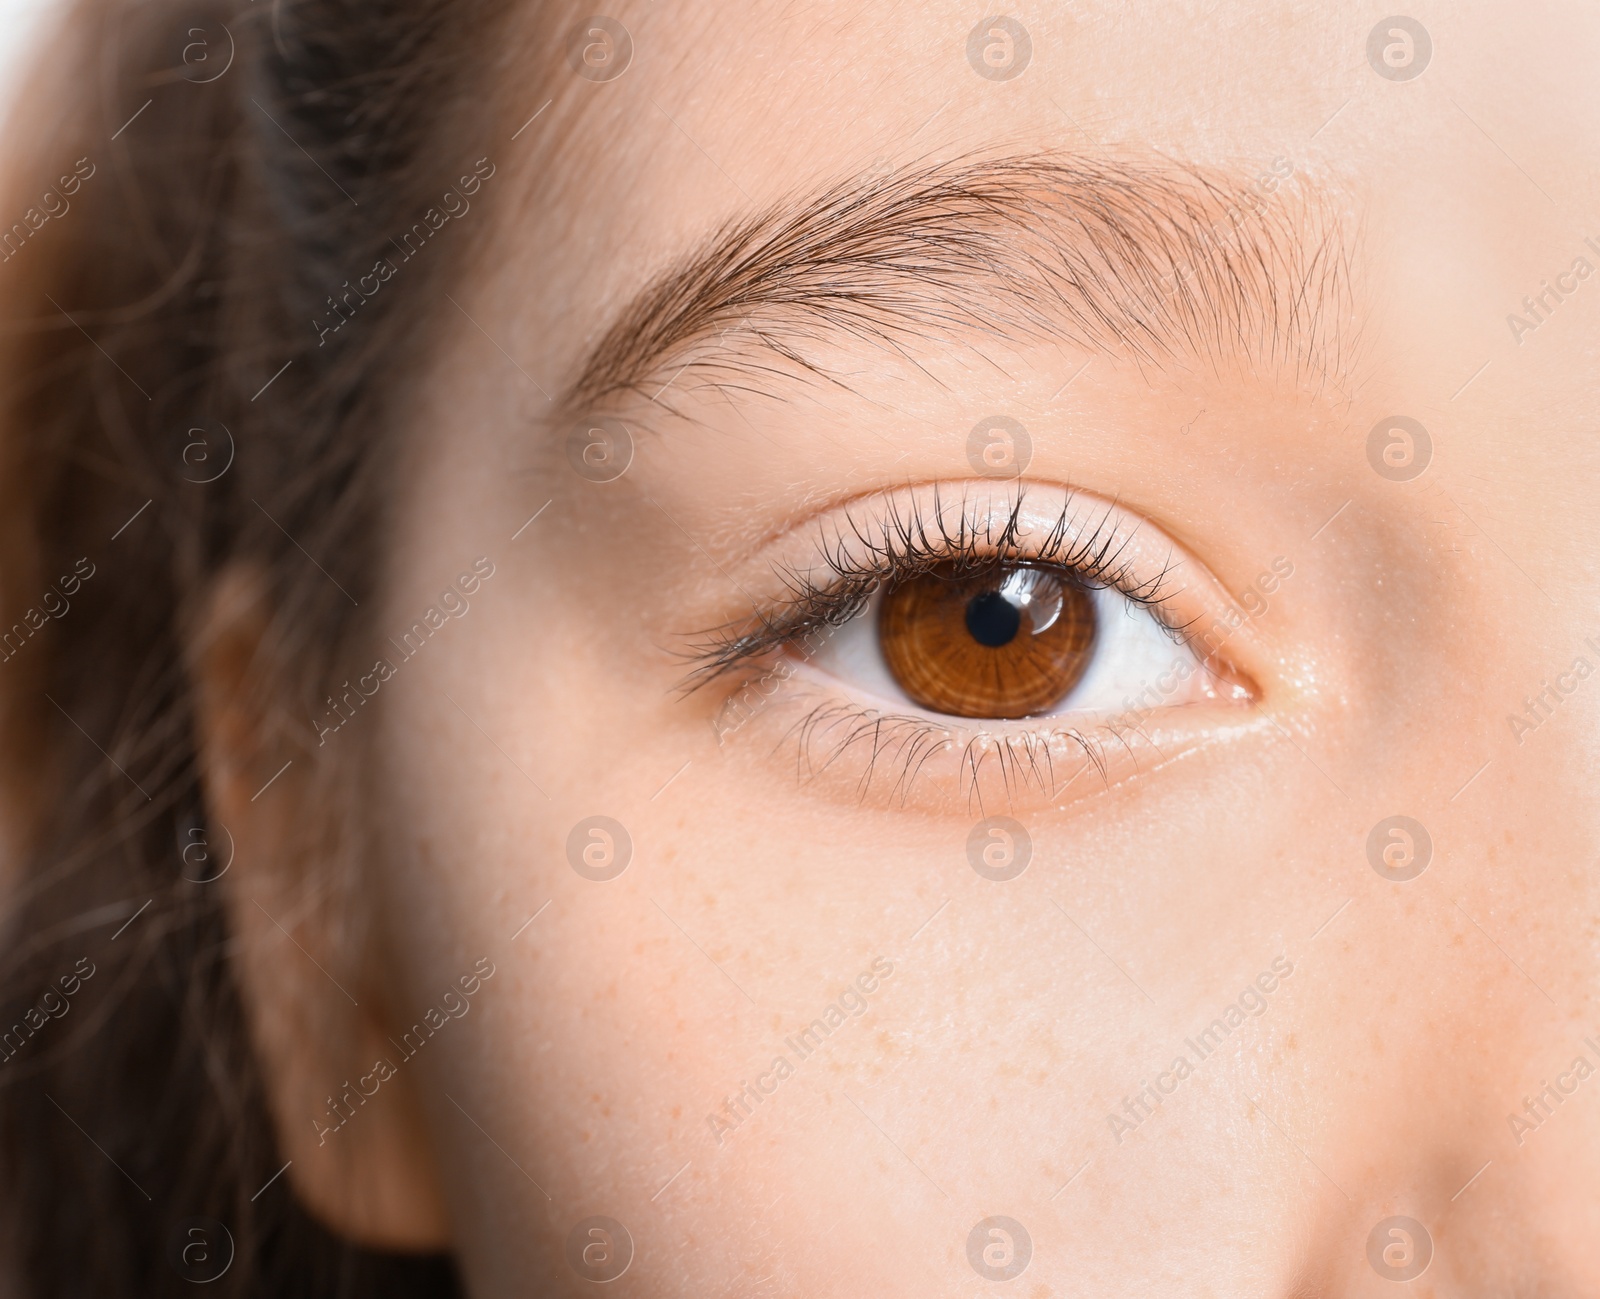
x: 20, y: 24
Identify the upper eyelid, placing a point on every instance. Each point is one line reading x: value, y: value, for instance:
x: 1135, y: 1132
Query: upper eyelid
x: 901, y: 545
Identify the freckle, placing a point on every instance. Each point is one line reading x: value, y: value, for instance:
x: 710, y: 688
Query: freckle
x: 583, y: 1136
x: 1377, y: 1042
x: 1040, y: 1292
x: 1291, y: 1043
x: 1509, y: 839
x: 677, y: 1111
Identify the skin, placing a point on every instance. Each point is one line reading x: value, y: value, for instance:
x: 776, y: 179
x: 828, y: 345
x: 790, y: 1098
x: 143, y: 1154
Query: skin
x: 1019, y: 1015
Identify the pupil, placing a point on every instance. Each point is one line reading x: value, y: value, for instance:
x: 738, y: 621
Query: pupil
x: 992, y: 619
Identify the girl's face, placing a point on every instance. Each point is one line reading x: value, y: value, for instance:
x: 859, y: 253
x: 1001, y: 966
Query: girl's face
x: 1124, y: 495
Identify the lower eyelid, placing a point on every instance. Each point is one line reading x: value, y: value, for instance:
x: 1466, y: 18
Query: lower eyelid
x: 843, y: 748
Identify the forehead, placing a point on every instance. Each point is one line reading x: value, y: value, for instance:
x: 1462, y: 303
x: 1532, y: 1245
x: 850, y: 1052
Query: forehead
x: 726, y: 109
x: 1457, y: 190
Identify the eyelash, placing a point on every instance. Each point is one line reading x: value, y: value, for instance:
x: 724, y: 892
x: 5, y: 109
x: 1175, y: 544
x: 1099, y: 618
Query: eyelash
x: 909, y: 543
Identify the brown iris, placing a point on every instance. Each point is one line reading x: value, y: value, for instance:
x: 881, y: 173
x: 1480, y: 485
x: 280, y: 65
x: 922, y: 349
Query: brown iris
x: 1008, y: 642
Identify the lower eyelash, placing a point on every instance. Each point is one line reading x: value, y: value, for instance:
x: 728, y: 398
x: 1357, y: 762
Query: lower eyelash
x: 1023, y: 762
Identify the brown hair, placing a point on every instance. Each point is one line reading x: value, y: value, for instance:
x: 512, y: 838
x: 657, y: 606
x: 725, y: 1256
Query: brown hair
x: 169, y: 408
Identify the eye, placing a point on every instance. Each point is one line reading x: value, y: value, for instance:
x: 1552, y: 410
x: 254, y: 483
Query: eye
x: 950, y: 637
x: 1011, y: 642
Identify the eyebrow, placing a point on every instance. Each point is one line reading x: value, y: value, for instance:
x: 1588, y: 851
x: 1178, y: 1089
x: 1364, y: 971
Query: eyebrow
x: 1155, y: 260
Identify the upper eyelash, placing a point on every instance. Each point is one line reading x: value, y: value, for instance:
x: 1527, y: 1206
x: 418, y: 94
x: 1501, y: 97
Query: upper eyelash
x: 907, y: 543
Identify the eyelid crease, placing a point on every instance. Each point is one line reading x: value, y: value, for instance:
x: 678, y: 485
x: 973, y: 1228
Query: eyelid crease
x: 911, y: 540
